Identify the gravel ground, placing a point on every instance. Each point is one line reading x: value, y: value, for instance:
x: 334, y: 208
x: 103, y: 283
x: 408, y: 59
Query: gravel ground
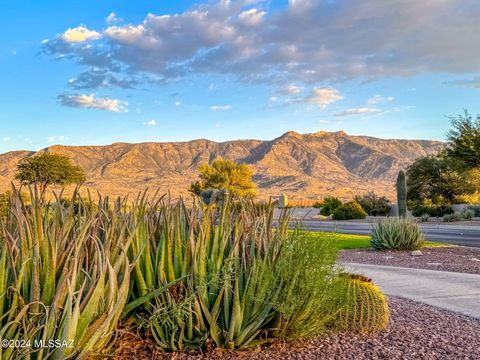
x: 416, y: 331
x: 457, y: 259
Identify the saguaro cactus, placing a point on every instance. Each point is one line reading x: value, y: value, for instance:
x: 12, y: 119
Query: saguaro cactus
x: 402, y: 194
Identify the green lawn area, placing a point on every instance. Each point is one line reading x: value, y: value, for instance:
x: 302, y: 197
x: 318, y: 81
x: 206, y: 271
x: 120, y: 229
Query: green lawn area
x: 347, y: 241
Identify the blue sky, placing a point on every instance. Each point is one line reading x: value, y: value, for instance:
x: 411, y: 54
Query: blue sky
x: 98, y: 72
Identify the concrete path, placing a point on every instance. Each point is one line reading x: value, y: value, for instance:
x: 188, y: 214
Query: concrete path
x: 447, y: 290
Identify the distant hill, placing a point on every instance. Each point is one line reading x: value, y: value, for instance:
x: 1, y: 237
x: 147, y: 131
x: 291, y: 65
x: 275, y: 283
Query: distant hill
x: 300, y: 165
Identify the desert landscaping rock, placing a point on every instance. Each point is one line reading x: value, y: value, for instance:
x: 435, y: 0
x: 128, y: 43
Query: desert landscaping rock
x: 416, y: 331
x: 456, y: 259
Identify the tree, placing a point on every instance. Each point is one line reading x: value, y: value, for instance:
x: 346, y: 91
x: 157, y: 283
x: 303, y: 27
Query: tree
x: 224, y: 174
x: 465, y: 139
x: 440, y: 178
x: 48, y: 169
x: 373, y: 204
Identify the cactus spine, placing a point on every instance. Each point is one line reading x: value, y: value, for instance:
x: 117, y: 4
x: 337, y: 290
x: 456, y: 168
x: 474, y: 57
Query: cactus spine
x: 402, y: 194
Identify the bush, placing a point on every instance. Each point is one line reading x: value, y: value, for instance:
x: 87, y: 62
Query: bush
x: 367, y: 309
x: 459, y: 216
x: 475, y: 209
x: 396, y: 234
x: 432, y: 209
x: 349, y: 211
x: 424, y: 218
x: 373, y: 204
x: 329, y: 205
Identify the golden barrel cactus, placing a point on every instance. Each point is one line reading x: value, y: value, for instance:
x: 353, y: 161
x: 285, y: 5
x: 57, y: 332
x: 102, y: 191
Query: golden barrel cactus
x: 366, y: 308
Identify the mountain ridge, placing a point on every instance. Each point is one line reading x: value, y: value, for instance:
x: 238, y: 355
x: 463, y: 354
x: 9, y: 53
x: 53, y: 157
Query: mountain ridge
x: 301, y: 165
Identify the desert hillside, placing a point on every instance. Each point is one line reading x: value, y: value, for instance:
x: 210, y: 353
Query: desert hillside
x: 300, y: 165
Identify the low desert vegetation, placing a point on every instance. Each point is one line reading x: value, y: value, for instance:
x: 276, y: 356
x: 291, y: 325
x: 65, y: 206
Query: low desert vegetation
x: 396, y: 234
x: 329, y: 205
x: 373, y: 204
x: 351, y: 210
x: 185, y: 275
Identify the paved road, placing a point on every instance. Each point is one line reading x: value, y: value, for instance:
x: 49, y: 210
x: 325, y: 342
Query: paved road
x: 447, y: 290
x: 453, y: 234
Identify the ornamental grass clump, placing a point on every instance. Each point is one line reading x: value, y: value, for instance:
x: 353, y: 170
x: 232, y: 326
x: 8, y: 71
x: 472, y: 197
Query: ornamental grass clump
x: 63, y: 278
x: 396, y: 234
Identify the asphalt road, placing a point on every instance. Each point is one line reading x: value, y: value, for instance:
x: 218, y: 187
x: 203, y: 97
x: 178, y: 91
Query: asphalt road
x: 452, y: 234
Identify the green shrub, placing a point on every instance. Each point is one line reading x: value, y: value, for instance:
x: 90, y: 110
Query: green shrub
x: 468, y: 214
x: 367, y: 308
x: 329, y: 205
x: 373, y: 204
x: 349, y: 211
x: 424, y: 218
x: 427, y: 207
x: 475, y: 209
x: 396, y: 234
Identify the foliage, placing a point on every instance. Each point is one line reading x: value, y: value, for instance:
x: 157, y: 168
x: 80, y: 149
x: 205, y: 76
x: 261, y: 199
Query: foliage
x: 349, y: 211
x: 401, y: 194
x: 225, y: 272
x: 428, y: 207
x: 224, y: 174
x: 396, y: 234
x: 329, y: 205
x: 367, y: 310
x: 424, y: 217
x: 48, y: 169
x: 62, y: 277
x: 442, y: 177
x: 475, y: 209
x: 373, y: 204
x: 459, y: 216
x: 465, y: 139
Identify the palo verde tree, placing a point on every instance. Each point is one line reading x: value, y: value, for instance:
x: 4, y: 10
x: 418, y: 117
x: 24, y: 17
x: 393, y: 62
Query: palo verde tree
x: 464, y: 138
x: 224, y: 174
x: 440, y: 178
x: 48, y: 169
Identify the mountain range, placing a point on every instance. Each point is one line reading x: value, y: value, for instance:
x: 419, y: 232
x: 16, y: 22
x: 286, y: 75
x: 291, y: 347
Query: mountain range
x: 303, y: 166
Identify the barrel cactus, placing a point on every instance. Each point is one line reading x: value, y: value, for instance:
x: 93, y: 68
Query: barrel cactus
x: 366, y: 309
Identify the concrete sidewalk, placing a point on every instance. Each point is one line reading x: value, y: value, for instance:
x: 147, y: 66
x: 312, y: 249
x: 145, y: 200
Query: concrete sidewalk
x: 447, y: 290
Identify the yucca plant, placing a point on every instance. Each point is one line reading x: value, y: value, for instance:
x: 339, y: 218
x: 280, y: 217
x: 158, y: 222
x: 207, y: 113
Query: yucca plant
x: 65, y: 278
x: 396, y: 234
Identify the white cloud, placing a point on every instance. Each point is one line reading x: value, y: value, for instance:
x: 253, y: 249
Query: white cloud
x: 309, y: 42
x: 112, y: 18
x: 378, y: 99
x: 357, y: 111
x: 323, y: 97
x: 7, y: 139
x: 292, y: 89
x: 92, y: 102
x: 151, y: 122
x: 252, y: 17
x: 220, y: 107
x: 53, y: 139
x: 80, y: 34
x: 177, y: 103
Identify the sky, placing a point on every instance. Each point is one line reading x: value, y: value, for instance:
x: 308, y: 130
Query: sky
x: 97, y: 72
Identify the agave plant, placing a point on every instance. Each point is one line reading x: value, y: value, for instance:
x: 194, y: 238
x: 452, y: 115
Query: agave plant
x: 64, y: 278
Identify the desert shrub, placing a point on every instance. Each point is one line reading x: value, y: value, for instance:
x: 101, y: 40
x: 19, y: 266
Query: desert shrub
x: 459, y: 216
x: 424, y: 218
x: 396, y: 234
x: 349, y: 211
x: 428, y: 207
x: 475, y: 209
x: 367, y: 308
x: 373, y: 204
x: 329, y: 205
